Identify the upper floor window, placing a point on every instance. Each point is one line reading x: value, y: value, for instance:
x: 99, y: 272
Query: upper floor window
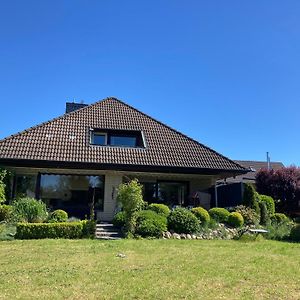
x: 117, y: 138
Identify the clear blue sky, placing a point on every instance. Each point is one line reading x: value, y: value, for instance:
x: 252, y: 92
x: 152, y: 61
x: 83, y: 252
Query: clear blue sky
x: 226, y: 73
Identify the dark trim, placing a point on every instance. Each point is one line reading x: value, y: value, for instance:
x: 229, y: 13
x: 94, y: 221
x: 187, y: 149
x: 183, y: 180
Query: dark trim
x: 117, y: 167
x: 14, y: 187
x: 38, y: 186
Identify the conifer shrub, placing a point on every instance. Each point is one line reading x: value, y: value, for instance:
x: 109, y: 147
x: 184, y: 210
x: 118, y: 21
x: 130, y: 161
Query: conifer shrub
x: 161, y: 209
x: 202, y: 215
x: 219, y: 214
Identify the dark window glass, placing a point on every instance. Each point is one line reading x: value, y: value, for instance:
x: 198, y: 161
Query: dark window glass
x: 73, y: 193
x: 25, y: 186
x: 172, y: 193
x: 149, y: 192
x: 99, y: 139
x: 125, y: 141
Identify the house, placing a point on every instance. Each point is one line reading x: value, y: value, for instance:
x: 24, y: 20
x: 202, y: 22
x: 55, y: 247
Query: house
x: 86, y: 153
x: 230, y: 191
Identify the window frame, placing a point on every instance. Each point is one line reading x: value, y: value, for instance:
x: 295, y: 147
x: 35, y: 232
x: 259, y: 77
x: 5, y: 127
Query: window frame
x: 99, y: 133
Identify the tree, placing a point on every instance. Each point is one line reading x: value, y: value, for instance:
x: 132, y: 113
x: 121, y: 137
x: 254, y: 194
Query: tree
x: 282, y: 185
x: 131, y: 198
x: 2, y: 185
x: 251, y: 198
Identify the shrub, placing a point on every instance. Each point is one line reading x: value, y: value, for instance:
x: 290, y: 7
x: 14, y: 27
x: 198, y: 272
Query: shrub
x: 119, y: 219
x: 202, y: 214
x: 219, y: 214
x: 279, y: 218
x: 295, y: 233
x: 264, y: 214
x: 251, y: 197
x: 88, y: 228
x: 49, y: 230
x: 29, y: 210
x: 5, y: 212
x: 131, y: 197
x: 235, y: 219
x: 58, y: 215
x: 182, y: 220
x: 270, y: 204
x: 160, y: 209
x: 249, y: 215
x: 279, y: 231
x: 150, y: 224
x: 2, y: 185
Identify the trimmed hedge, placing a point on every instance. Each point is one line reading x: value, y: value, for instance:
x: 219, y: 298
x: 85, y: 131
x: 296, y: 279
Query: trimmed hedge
x: 219, y: 214
x: 73, y: 230
x: 5, y: 212
x: 160, y: 209
x: 182, y: 220
x: 202, y: 214
x: 58, y: 216
x: 235, y: 219
x: 150, y: 224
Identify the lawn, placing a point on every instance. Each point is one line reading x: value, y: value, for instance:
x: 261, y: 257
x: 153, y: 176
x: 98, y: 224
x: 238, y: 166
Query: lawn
x: 152, y: 269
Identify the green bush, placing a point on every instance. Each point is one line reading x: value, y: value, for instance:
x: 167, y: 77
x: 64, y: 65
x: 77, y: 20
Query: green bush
x: 295, y: 233
x: 5, y: 212
x: 150, y: 224
x: 251, y: 197
x: 182, y: 220
x: 264, y: 214
x: 119, y: 219
x: 73, y: 230
x: 130, y: 196
x: 249, y: 215
x: 270, y: 204
x: 88, y: 228
x: 160, y: 209
x: 219, y: 214
x: 29, y: 210
x: 202, y: 214
x: 58, y: 216
x: 279, y: 231
x: 279, y: 218
x: 235, y: 219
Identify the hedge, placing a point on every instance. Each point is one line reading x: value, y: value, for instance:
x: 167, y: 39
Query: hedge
x: 219, y: 214
x: 72, y: 230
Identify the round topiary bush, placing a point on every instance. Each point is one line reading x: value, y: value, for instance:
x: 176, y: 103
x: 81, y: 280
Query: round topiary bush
x: 279, y: 218
x: 5, y: 212
x: 150, y: 224
x: 202, y: 214
x: 58, y: 216
x: 160, y: 209
x: 119, y: 219
x: 182, y: 220
x: 235, y: 219
x: 219, y: 214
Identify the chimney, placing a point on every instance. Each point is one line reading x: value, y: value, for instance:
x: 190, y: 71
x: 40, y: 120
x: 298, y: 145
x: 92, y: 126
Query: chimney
x: 72, y: 106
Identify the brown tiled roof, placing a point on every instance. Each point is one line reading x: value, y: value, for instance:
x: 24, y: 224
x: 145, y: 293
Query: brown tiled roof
x: 66, y: 139
x: 255, y: 166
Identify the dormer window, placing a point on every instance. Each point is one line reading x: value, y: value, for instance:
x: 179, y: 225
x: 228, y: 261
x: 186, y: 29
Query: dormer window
x: 117, y: 138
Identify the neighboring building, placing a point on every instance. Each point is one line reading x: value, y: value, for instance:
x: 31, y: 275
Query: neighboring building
x: 86, y: 153
x: 230, y: 191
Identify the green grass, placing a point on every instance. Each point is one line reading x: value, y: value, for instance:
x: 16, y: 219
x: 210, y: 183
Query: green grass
x: 152, y: 269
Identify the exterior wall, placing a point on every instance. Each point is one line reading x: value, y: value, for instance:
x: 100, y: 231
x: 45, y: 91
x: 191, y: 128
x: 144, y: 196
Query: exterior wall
x: 111, y: 183
x: 200, y: 187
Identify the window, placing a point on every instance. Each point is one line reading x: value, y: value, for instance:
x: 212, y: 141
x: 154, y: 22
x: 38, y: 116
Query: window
x: 172, y: 193
x: 25, y: 186
x: 99, y: 138
x: 117, y: 138
x: 73, y: 193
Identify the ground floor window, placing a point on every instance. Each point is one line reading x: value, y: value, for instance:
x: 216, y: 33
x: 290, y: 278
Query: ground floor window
x: 72, y: 193
x: 25, y: 186
x: 167, y: 192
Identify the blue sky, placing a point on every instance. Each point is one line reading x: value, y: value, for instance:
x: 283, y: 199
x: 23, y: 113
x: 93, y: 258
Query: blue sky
x: 226, y: 73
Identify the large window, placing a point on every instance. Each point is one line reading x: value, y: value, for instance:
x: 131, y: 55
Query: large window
x: 117, y: 138
x: 73, y: 193
x: 25, y: 186
x: 166, y: 192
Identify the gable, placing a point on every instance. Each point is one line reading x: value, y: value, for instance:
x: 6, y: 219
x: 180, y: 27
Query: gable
x: 67, y: 139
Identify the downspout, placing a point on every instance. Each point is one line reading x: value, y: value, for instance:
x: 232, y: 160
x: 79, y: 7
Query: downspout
x: 216, y: 195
